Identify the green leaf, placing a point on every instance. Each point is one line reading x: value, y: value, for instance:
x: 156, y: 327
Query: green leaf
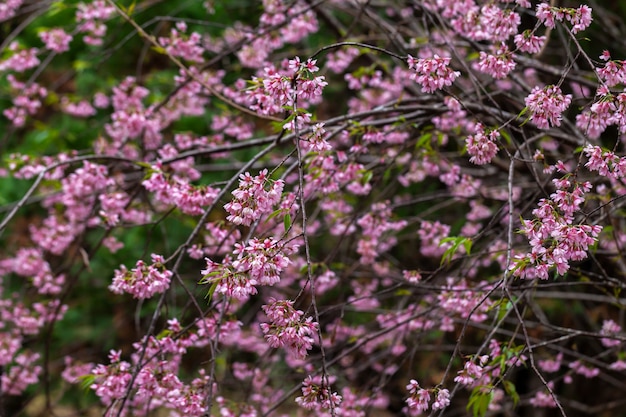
x: 509, y: 388
x: 479, y: 400
x: 506, y: 136
x: 80, y: 65
x: 287, y: 221
x: 367, y: 177
x: 523, y: 112
x: 275, y: 213
x: 56, y: 7
x: 456, y: 242
x: 159, y: 50
x: 503, y: 309
x: 209, y: 294
x: 86, y: 381
x: 131, y: 8
x: 164, y: 333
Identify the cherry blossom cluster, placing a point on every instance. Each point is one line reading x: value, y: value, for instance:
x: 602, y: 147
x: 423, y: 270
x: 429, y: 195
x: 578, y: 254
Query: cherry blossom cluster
x: 20, y: 59
x: 481, y: 371
x: 546, y: 106
x: 554, y: 238
x: 186, y: 47
x: 26, y: 103
x: 294, y: 20
x: 90, y: 18
x: 419, y: 399
x: 405, y: 239
x: 156, y: 384
x: 527, y: 41
x: 8, y: 9
x: 317, y: 395
x: 376, y: 226
x: 605, y: 163
x: 482, y: 145
x: 458, y: 298
x: 177, y: 191
x: 276, y: 88
x: 286, y: 328
x: 432, y: 73
x: 497, y: 64
x: 255, y: 197
x: 580, y: 18
x: 143, y: 281
x: 56, y: 40
x: 257, y: 263
x: 613, y: 72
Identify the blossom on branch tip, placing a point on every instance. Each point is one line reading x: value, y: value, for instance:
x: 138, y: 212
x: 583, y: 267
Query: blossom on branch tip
x: 260, y: 262
x: 547, y: 105
x: 254, y: 197
x: 317, y: 395
x: 580, y: 18
x: 143, y: 281
x: 432, y: 73
x: 499, y: 64
x: 482, y: 145
x: 286, y: 328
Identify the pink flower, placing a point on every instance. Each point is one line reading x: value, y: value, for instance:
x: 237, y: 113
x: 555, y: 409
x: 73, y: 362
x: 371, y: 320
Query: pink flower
x: 580, y: 19
x: 255, y: 197
x: 432, y: 73
x: 143, y: 281
x: 527, y: 41
x: 547, y: 106
x: 317, y: 395
x: 287, y: 329
x: 443, y: 399
x: 498, y: 65
x: 56, y: 40
x: 418, y: 400
x: 610, y: 328
x: 482, y: 145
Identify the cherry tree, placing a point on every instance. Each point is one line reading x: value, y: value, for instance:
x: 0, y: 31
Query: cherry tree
x: 325, y: 208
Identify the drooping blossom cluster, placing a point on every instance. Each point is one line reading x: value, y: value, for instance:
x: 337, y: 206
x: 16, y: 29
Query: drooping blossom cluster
x: 26, y: 103
x: 580, y: 18
x: 90, y: 18
x: 458, y: 299
x: 554, y: 238
x: 419, y: 399
x: 143, y: 281
x: 605, y: 163
x: 260, y: 262
x: 20, y: 59
x: 374, y: 164
x: 432, y: 73
x: 376, y: 226
x: 8, y: 9
x: 546, y: 106
x: 431, y: 235
x: 179, y: 192
x: 156, y: 384
x: 527, y: 41
x: 56, y: 40
x: 276, y: 88
x: 482, y: 370
x: 317, y: 395
x: 184, y: 46
x: 482, y: 145
x: 286, y: 328
x: 497, y: 64
x: 255, y: 197
x: 610, y: 328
